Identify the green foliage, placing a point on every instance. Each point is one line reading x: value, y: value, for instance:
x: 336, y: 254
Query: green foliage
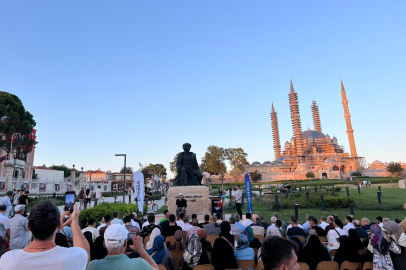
x: 105, y: 208
x: 65, y: 169
x: 172, y: 165
x: 213, y: 160
x: 394, y: 168
x: 356, y: 174
x: 237, y: 157
x: 151, y: 169
x: 129, y: 170
x: 255, y: 176
x: 338, y: 202
x: 15, y: 119
x: 310, y: 174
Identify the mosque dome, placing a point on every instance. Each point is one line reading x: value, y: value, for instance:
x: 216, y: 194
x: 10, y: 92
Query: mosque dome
x: 312, y: 134
x: 302, y: 167
x: 267, y: 163
x: 256, y: 163
x: 330, y: 161
x: 278, y: 162
x: 377, y: 165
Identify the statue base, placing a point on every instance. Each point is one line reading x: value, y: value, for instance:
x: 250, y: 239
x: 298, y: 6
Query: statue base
x: 197, y: 198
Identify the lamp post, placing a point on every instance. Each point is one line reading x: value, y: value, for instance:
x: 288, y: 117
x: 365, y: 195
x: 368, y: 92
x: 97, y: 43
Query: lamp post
x: 125, y: 161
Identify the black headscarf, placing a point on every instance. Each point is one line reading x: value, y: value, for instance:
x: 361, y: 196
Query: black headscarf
x: 301, y: 254
x: 355, y: 240
x: 225, y: 229
x: 346, y: 251
x: 315, y: 252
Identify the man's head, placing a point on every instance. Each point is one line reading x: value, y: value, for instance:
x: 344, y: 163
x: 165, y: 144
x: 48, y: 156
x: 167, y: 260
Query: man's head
x: 166, y: 211
x: 237, y: 218
x: 172, y: 218
x: 195, y: 222
x: 9, y: 193
x: 213, y: 219
x: 379, y: 219
x: 167, y: 215
x: 278, y: 224
x: 135, y: 216
x: 385, y: 220
x: 261, y: 217
x: 293, y: 222
x: 3, y: 208
x: 115, y: 238
x: 348, y: 219
x: 19, y: 209
x: 248, y: 215
x: 308, y: 217
x: 273, y: 220
x: 115, y: 214
x: 218, y: 216
x: 82, y: 188
x: 313, y: 222
x: 365, y: 221
x: 186, y: 147
x: 277, y: 215
x: 206, y: 218
x: 335, y: 216
x: 180, y: 196
x: 194, y: 216
x: 107, y: 219
x: 338, y: 223
x: 91, y: 223
x: 231, y: 220
x: 258, y: 221
x: 357, y: 224
x: 186, y: 220
x: 151, y: 218
x: 127, y: 220
x: 322, y: 219
x: 237, y: 187
x: 279, y: 253
x: 26, y: 193
x: 330, y: 219
x: 99, y: 186
x: 254, y: 217
x: 181, y: 215
x: 44, y: 220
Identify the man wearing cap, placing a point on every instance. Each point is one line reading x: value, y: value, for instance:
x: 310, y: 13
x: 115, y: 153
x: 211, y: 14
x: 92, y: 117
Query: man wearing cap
x: 18, y: 228
x: 181, y: 205
x: 115, y: 241
x: 6, y: 200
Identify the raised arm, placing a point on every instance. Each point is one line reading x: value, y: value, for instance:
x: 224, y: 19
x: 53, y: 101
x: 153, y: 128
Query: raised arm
x: 79, y: 239
x: 139, y: 247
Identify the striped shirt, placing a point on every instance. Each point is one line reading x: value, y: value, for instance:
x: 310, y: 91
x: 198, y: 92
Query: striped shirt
x: 18, y: 232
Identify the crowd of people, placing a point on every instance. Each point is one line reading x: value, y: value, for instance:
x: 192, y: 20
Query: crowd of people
x: 46, y: 239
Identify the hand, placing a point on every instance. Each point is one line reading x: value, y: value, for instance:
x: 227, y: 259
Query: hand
x: 137, y: 243
x: 404, y: 206
x: 75, y: 214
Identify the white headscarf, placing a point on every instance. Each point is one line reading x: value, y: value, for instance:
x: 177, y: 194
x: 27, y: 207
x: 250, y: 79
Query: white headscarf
x: 150, y: 243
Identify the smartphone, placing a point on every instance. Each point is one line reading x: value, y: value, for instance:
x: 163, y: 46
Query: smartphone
x: 69, y: 201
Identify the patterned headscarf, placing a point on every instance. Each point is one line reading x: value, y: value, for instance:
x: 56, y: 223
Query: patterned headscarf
x: 393, y: 228
x: 377, y: 238
x: 193, y: 251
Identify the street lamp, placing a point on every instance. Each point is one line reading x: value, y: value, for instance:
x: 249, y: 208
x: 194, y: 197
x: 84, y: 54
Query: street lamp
x: 125, y: 161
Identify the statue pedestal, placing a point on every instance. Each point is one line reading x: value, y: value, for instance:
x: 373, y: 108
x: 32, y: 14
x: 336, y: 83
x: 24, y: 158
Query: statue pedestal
x: 402, y: 183
x: 197, y: 198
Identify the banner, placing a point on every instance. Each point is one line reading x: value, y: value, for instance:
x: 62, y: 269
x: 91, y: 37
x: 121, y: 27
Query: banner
x: 139, y: 190
x: 247, y: 183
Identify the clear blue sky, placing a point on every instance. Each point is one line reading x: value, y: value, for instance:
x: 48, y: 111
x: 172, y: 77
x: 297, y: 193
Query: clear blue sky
x: 143, y: 77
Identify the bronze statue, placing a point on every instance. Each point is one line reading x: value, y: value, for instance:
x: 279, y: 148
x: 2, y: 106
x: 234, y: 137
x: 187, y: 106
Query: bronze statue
x: 188, y: 170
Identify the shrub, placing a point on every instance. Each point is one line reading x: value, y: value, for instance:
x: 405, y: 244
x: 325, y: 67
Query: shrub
x: 338, y: 202
x: 105, y: 208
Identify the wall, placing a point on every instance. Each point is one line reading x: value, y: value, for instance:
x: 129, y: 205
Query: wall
x: 44, y: 175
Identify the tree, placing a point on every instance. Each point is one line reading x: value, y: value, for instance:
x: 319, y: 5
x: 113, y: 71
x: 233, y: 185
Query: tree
x: 255, y: 176
x: 394, y: 168
x: 237, y: 159
x: 236, y: 173
x: 65, y: 169
x: 214, y: 159
x: 172, y: 165
x: 15, y: 119
x: 129, y: 170
x: 309, y: 175
x: 151, y: 169
x: 356, y: 173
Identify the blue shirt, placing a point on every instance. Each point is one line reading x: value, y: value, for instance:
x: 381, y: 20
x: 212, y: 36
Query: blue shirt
x: 239, y: 225
x: 362, y: 233
x: 306, y: 227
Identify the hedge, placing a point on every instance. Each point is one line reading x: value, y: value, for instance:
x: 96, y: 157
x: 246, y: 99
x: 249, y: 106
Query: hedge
x: 105, y: 208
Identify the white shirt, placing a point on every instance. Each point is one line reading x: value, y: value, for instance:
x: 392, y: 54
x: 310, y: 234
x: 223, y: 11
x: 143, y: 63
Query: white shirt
x: 6, y: 201
x: 290, y: 226
x: 187, y: 227
x: 268, y: 230
x: 135, y: 224
x: 101, y: 226
x: 98, y: 193
x: 334, y: 234
x: 60, y: 258
x: 4, y: 225
x: 381, y: 225
x: 94, y: 231
x: 15, y: 199
x: 238, y: 196
x: 258, y: 230
x: 180, y: 223
x: 323, y: 225
x: 247, y: 222
x: 348, y: 227
x: 117, y: 221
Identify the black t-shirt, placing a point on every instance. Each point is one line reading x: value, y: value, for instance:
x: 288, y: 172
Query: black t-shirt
x: 201, y: 225
x: 181, y: 203
x: 164, y: 224
x: 22, y: 199
x: 295, y: 231
x: 170, y: 230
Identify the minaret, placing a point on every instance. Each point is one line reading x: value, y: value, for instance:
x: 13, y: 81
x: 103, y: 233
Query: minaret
x: 295, y: 115
x: 347, y: 117
x: 275, y: 133
x: 316, y: 116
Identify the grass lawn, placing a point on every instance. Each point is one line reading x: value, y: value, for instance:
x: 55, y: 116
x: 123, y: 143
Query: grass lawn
x: 365, y: 205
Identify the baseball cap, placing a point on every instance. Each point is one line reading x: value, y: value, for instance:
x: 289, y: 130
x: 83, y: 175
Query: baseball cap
x: 19, y: 207
x: 115, y: 232
x: 180, y: 194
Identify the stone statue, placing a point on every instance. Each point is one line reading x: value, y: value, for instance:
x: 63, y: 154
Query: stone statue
x: 188, y: 170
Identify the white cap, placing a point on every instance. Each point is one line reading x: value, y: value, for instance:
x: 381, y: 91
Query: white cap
x: 19, y: 207
x: 180, y: 194
x: 115, y: 232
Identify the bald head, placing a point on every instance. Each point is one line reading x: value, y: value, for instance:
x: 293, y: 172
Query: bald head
x: 254, y: 217
x: 357, y: 224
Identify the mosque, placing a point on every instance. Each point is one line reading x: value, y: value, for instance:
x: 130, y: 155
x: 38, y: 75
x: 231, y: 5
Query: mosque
x: 309, y: 150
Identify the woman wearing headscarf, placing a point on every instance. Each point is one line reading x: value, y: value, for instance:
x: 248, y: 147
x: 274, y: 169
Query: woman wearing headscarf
x: 398, y: 259
x: 355, y: 240
x: 243, y: 251
x: 402, y: 239
x: 160, y: 254
x: 155, y: 232
x: 380, y: 244
x: 346, y: 252
x: 206, y: 246
x: 223, y: 249
x: 178, y: 245
x: 301, y: 254
x: 315, y: 251
x: 193, y: 253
